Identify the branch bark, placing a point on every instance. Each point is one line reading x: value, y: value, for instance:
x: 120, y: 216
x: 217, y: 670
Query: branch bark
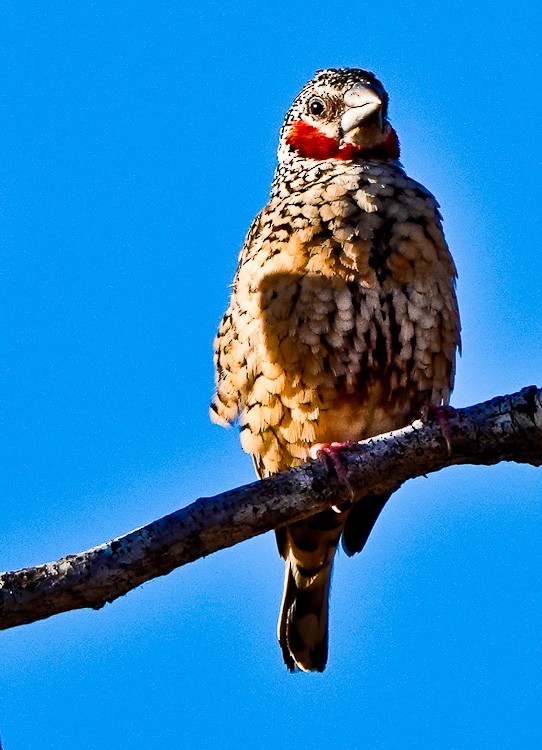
x: 507, y: 428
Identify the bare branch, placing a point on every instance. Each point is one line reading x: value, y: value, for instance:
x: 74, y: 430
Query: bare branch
x: 507, y: 428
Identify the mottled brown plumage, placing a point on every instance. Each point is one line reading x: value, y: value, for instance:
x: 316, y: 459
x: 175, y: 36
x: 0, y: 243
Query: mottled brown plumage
x: 342, y: 324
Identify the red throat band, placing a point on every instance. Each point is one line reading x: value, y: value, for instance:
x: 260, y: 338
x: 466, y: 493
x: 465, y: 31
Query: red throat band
x: 311, y: 143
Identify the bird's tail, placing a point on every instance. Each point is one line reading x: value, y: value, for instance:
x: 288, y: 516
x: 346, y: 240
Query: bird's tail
x: 308, y: 548
x: 303, y: 621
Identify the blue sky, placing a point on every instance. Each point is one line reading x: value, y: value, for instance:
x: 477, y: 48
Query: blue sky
x: 137, y: 141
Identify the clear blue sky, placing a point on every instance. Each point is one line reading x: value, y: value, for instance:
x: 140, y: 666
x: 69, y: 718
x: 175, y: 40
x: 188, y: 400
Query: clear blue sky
x: 137, y: 141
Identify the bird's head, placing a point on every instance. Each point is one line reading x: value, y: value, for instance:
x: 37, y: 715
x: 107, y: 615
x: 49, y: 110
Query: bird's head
x: 339, y: 114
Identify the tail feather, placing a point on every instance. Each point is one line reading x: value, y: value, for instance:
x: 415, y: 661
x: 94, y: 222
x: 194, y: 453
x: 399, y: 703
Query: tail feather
x: 303, y: 622
x: 360, y: 522
x: 309, y: 548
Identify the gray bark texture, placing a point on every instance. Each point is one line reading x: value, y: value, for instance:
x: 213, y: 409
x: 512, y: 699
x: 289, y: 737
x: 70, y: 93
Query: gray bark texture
x: 507, y: 428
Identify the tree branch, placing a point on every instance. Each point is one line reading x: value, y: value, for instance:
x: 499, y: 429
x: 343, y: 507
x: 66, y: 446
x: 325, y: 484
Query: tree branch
x: 507, y: 428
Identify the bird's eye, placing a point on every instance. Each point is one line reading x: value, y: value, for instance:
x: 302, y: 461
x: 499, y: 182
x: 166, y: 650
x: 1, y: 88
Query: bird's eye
x: 317, y: 106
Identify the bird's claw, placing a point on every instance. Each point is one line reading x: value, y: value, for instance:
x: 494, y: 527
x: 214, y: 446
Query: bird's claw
x: 331, y: 453
x: 443, y: 416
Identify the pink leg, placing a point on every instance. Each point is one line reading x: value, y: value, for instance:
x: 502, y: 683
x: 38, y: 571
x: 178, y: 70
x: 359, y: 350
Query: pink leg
x: 443, y: 416
x: 331, y: 452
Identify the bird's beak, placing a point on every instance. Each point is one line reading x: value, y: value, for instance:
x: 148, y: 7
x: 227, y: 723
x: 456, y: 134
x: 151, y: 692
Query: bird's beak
x: 362, y: 103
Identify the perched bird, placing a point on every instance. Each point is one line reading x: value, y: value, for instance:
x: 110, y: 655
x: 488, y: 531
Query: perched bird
x: 342, y: 323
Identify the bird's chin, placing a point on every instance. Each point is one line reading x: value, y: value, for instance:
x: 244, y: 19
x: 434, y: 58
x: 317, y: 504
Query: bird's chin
x: 366, y: 137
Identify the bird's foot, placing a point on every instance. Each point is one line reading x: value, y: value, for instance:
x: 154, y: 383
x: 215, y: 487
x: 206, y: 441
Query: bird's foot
x: 331, y: 453
x: 443, y: 416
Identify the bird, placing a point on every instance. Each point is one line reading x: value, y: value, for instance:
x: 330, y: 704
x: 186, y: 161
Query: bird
x: 343, y: 322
